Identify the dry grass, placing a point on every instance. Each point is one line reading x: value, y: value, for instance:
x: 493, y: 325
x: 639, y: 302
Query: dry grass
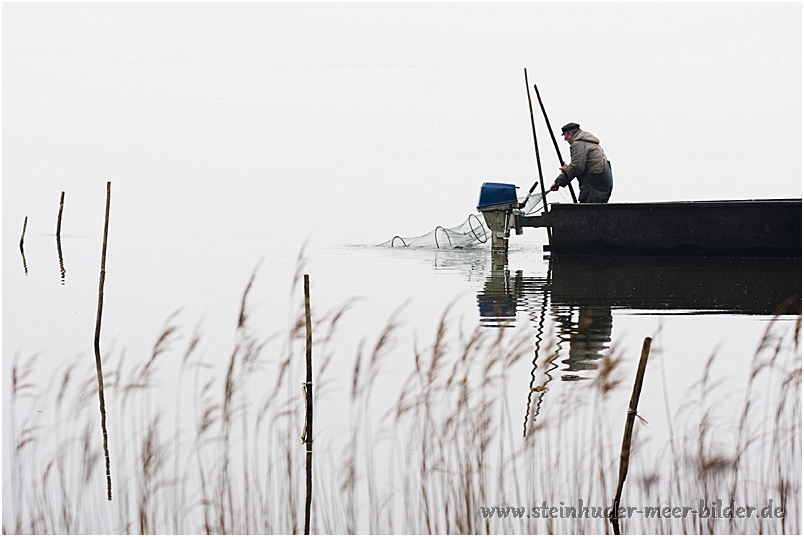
x: 222, y: 452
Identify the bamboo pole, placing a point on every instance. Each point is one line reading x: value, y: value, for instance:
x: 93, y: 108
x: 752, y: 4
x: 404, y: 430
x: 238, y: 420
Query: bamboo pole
x: 309, y: 398
x: 553, y: 137
x: 61, y: 209
x: 538, y: 161
x: 625, y: 452
x: 97, y: 343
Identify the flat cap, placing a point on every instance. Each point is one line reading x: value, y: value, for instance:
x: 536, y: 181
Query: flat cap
x: 569, y: 127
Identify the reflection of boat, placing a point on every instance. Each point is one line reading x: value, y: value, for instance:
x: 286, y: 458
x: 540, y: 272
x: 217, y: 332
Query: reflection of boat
x: 745, y: 286
x: 751, y: 228
x: 586, y: 329
x: 689, y: 285
x: 501, y: 293
x: 579, y: 294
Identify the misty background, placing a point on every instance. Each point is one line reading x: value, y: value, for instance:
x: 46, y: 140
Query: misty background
x: 235, y: 134
x: 401, y: 109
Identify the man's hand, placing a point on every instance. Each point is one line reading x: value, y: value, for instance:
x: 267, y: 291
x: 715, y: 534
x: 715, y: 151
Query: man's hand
x: 563, y: 169
x: 553, y: 187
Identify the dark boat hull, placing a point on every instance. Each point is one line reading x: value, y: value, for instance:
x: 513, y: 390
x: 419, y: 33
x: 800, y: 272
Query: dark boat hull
x: 755, y: 228
x: 747, y: 286
x: 666, y: 285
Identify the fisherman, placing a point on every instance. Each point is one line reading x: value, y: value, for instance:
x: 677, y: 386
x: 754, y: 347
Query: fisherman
x: 588, y: 163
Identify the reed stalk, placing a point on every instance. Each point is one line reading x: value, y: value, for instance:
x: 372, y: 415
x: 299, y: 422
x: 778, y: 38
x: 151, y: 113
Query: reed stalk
x: 452, y: 443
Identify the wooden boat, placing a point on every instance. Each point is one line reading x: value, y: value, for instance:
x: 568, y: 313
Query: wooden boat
x: 749, y: 228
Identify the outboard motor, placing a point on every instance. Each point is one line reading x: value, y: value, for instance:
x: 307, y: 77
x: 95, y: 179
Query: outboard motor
x: 497, y: 203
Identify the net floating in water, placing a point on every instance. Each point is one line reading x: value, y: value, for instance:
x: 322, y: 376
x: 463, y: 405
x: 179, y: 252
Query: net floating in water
x: 471, y: 233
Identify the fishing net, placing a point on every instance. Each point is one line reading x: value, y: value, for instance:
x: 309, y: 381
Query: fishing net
x: 532, y: 203
x: 471, y: 233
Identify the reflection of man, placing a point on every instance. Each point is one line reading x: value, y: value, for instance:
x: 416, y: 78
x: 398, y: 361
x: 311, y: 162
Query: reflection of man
x: 588, y: 163
x: 589, y: 339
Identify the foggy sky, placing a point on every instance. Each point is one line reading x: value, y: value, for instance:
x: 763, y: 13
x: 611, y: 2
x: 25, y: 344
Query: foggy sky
x: 690, y: 101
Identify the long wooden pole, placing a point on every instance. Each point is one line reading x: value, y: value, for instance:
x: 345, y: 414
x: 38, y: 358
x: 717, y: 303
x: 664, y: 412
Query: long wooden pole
x: 553, y: 136
x: 538, y: 160
x: 309, y: 397
x: 58, y: 222
x: 97, y: 344
x: 625, y: 452
x: 24, y: 227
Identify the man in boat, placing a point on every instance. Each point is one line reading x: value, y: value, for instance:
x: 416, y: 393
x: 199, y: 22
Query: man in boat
x: 588, y: 163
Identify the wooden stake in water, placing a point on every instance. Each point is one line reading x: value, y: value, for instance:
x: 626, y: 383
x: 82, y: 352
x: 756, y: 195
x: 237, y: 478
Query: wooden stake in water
x: 97, y: 341
x: 58, y: 222
x: 625, y: 452
x: 24, y: 227
x: 309, y: 398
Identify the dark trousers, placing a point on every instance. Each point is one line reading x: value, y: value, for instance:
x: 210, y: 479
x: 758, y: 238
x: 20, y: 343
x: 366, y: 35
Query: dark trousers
x: 596, y: 187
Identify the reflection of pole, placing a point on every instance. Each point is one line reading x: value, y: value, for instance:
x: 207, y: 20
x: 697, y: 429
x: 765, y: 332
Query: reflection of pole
x: 625, y: 453
x: 309, y: 397
x: 22, y: 250
x: 97, y: 342
x: 61, y: 259
x: 549, y: 363
x: 24, y: 263
x: 543, y: 388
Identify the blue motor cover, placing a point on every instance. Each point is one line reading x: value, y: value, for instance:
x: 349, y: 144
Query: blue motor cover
x: 496, y: 194
x: 496, y: 307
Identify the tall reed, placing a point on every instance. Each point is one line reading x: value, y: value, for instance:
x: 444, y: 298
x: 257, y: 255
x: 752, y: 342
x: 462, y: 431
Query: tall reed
x: 223, y: 452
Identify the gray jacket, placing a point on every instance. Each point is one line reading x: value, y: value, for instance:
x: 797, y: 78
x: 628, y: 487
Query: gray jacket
x: 585, y: 157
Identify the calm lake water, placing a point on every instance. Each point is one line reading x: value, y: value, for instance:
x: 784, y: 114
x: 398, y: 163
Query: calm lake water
x: 189, y: 249
x: 193, y: 248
